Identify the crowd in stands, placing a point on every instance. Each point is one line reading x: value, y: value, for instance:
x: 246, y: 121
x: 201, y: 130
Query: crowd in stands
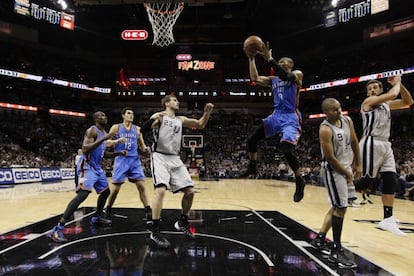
x: 31, y: 140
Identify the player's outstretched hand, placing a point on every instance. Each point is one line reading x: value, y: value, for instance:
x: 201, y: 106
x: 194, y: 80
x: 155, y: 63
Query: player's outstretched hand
x: 209, y: 107
x: 266, y: 53
x: 394, y: 80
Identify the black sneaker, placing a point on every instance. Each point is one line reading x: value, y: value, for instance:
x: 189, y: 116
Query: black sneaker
x: 100, y: 221
x: 148, y: 215
x: 159, y: 240
x: 183, y: 226
x: 56, y: 234
x: 251, y: 170
x: 108, y: 212
x: 321, y: 246
x: 149, y: 225
x: 300, y: 187
x: 338, y: 258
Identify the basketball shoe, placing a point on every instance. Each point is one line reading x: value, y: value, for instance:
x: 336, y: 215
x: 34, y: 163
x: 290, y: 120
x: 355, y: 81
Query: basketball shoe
x: 158, y: 239
x: 321, y: 245
x: 56, y: 234
x: 300, y: 187
x: 339, y: 258
x: 108, y: 212
x: 100, y: 221
x: 184, y: 227
x: 365, y: 199
x: 353, y: 203
x: 390, y: 224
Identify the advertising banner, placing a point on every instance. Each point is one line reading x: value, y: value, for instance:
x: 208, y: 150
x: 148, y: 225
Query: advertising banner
x: 6, y: 176
x: 50, y: 174
x: 26, y: 175
x: 67, y: 173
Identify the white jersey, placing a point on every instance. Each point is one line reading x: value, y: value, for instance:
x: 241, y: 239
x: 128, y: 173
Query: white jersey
x: 339, y: 190
x: 167, y: 138
x: 377, y: 122
x: 341, y: 140
x: 376, y: 150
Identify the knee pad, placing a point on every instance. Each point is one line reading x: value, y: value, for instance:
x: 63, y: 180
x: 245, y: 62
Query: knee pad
x: 389, y: 183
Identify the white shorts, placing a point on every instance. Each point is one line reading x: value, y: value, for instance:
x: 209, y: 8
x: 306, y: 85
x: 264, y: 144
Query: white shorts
x: 169, y: 170
x: 377, y: 156
x: 336, y: 185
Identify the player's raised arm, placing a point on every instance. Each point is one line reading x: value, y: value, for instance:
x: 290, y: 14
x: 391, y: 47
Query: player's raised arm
x: 199, y: 123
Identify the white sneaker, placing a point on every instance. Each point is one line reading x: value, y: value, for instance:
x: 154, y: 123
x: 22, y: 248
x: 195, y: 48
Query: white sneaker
x: 353, y: 203
x: 390, y: 224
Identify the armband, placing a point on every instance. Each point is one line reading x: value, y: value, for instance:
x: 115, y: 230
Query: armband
x: 289, y: 76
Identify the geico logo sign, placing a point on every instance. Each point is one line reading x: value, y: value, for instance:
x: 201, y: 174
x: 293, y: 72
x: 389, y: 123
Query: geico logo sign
x: 68, y: 173
x: 20, y: 175
x: 50, y: 174
x: 6, y: 176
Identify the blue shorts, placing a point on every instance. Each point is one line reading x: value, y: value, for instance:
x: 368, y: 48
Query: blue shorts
x: 90, y: 178
x: 127, y: 166
x: 288, y: 124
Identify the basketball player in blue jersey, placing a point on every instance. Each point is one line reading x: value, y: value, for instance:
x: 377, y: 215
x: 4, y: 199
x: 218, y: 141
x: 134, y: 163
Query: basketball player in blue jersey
x: 340, y: 153
x: 129, y: 138
x: 168, y: 170
x: 90, y: 174
x: 376, y: 150
x: 286, y: 118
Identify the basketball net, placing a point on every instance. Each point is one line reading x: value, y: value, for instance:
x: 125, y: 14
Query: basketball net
x: 192, y: 149
x: 163, y: 17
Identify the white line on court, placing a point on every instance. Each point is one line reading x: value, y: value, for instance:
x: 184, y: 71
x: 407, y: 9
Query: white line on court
x: 40, y: 235
x: 265, y: 257
x: 88, y: 239
x: 306, y: 252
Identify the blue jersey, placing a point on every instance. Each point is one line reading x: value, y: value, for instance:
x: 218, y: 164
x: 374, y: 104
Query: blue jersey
x: 94, y: 158
x: 285, y: 95
x: 131, y: 136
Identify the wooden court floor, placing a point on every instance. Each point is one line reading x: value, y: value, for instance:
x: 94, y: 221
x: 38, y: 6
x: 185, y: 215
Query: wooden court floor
x: 360, y: 235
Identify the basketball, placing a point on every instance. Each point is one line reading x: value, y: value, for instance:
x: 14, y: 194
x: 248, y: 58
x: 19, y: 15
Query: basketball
x: 252, y: 45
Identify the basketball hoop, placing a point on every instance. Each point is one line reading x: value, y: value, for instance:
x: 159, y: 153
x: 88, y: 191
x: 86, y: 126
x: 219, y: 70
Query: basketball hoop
x: 163, y: 17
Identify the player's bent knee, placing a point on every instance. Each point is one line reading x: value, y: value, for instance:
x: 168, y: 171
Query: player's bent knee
x: 160, y: 189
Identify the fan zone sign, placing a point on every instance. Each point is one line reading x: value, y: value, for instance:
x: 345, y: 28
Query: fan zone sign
x: 196, y: 65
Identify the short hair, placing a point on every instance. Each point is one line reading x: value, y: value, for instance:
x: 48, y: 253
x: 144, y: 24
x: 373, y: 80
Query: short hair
x: 374, y: 81
x: 288, y: 60
x: 166, y: 99
x: 327, y: 102
x: 125, y: 109
x: 96, y: 115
